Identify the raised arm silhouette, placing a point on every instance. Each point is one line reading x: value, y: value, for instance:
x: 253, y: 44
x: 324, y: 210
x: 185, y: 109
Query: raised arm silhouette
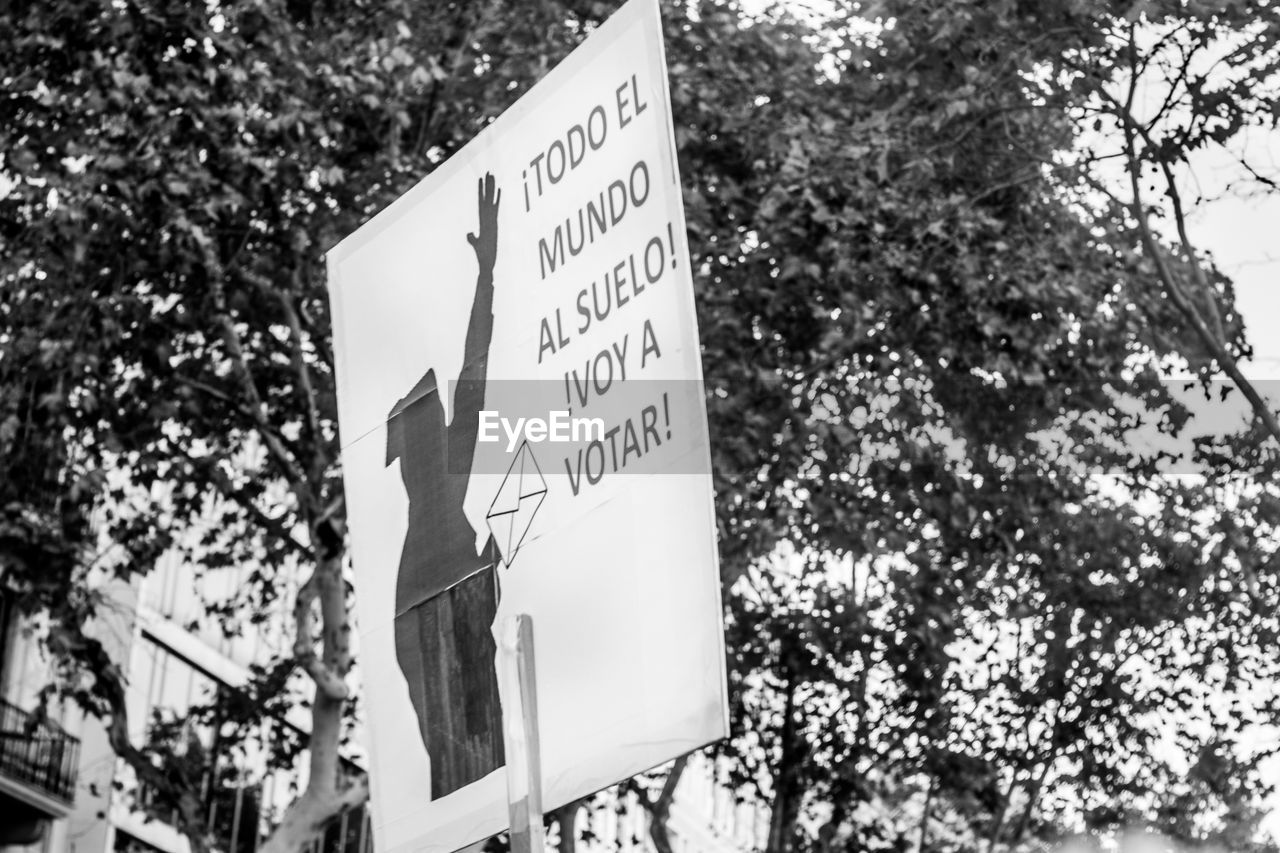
x: 446, y: 593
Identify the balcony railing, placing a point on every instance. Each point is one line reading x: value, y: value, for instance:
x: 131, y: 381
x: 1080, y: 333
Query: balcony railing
x: 37, y: 753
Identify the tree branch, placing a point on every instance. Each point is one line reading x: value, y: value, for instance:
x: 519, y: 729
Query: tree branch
x: 329, y: 682
x: 659, y: 807
x: 255, y: 407
x: 297, y: 358
x: 168, y: 779
x: 306, y: 387
x: 1189, y: 312
x: 924, y: 816
x: 1191, y: 315
x: 241, y: 498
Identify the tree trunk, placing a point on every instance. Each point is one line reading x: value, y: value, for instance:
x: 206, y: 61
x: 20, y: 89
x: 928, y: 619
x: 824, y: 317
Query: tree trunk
x: 307, y: 816
x: 924, y: 817
x: 783, y: 817
x: 660, y: 809
x: 323, y: 651
x: 566, y: 818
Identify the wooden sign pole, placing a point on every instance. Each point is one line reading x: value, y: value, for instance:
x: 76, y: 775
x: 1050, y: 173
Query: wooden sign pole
x: 520, y: 731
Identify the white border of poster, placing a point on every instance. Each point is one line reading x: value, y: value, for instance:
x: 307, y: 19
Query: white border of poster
x: 615, y: 561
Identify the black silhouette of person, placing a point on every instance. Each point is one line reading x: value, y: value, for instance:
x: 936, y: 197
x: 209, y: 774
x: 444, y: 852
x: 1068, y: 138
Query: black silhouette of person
x: 446, y: 593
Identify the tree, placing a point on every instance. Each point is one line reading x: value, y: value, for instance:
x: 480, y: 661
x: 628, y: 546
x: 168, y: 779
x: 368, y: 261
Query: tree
x: 927, y: 352
x: 173, y: 174
x: 936, y: 364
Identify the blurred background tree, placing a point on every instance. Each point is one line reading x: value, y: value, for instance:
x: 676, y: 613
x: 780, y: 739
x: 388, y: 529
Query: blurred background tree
x: 970, y: 607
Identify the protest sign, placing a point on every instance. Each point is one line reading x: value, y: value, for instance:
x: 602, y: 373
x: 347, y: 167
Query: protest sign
x: 524, y: 433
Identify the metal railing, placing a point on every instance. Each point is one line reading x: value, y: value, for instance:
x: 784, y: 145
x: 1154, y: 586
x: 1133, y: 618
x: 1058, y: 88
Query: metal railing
x: 38, y: 753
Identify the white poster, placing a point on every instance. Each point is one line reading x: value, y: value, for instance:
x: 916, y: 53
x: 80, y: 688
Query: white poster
x: 524, y: 431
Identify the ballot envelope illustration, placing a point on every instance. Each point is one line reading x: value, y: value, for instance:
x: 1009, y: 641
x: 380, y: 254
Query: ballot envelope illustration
x: 511, y: 513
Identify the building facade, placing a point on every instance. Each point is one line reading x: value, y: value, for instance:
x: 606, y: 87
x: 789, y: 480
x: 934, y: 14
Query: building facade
x: 39, y: 760
x: 56, y: 770
x: 62, y: 789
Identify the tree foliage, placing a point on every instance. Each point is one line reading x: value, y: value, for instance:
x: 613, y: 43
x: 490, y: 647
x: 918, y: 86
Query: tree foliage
x: 965, y: 596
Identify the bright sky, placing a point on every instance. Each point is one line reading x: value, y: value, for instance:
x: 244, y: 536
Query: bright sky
x: 1244, y: 237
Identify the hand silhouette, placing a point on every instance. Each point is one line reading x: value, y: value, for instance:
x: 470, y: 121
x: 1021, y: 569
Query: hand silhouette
x: 486, y: 243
